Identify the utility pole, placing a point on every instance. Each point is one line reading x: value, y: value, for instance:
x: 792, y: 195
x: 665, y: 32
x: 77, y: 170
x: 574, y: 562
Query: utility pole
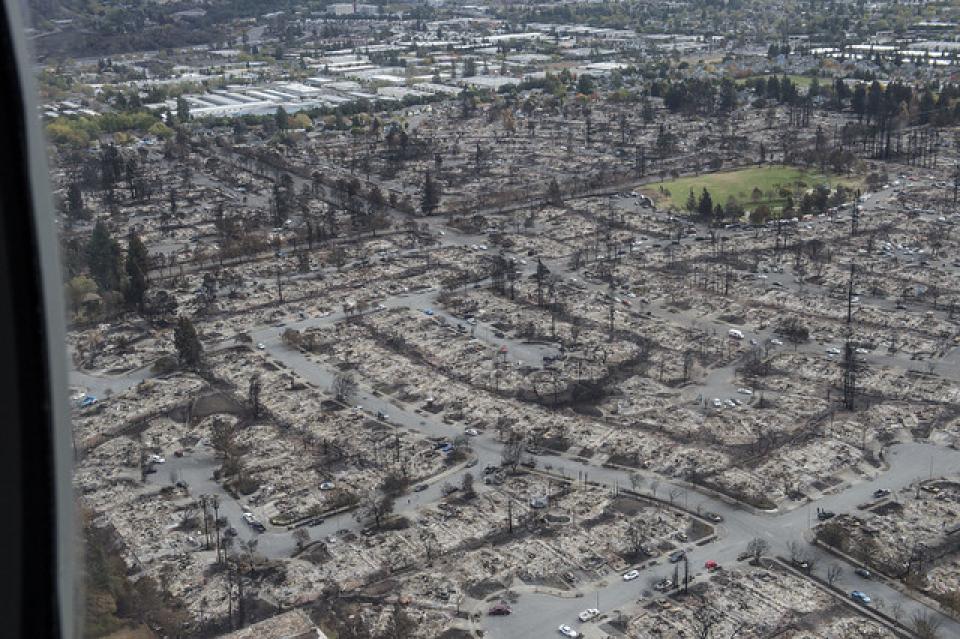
x: 855, y: 216
x: 849, y: 355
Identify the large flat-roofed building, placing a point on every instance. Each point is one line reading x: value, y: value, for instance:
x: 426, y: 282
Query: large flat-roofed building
x: 348, y: 9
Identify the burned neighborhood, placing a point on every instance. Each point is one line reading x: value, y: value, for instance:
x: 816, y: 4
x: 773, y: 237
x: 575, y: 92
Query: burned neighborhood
x: 428, y: 320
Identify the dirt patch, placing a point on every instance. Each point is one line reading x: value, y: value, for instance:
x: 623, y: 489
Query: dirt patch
x: 483, y: 589
x: 627, y: 506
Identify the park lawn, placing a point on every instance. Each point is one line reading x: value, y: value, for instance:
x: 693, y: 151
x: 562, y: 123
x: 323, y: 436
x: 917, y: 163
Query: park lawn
x: 740, y: 184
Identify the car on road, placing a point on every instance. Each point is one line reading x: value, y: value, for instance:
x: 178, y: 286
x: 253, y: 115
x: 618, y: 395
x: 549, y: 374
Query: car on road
x: 860, y: 597
x: 499, y: 609
x: 630, y: 576
x: 863, y: 572
x: 327, y: 485
x: 880, y: 492
x: 156, y: 459
x: 745, y: 391
x: 677, y: 556
x: 472, y: 432
x: 473, y: 462
x: 261, y: 346
x: 714, y: 517
x: 419, y: 488
x: 711, y: 565
x: 567, y: 631
x: 663, y: 585
x: 833, y: 351
x: 588, y: 614
x: 776, y: 342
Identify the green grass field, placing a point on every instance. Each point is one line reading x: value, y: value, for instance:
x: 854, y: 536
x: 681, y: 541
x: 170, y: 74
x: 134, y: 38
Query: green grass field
x: 741, y: 183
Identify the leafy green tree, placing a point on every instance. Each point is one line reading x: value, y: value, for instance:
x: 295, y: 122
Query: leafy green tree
x: 78, y: 288
x: 691, y: 204
x: 103, y: 258
x: 137, y: 267
x: 189, y: 348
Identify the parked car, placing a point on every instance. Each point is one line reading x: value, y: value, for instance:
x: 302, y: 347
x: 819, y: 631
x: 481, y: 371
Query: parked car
x: 499, y: 609
x: 567, y: 631
x: 863, y: 572
x: 327, y: 485
x: 472, y: 432
x: 630, y: 576
x: 677, y: 556
x: 588, y: 614
x: 261, y: 346
x: 714, y: 517
x: 860, y: 597
x: 711, y: 565
x: 419, y: 488
x: 880, y: 492
x: 663, y: 585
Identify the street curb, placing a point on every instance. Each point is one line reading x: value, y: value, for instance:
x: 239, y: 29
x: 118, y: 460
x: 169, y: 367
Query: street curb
x: 894, y: 584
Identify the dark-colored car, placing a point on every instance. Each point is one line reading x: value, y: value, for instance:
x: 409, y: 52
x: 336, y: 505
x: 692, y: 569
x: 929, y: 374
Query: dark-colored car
x: 499, y: 609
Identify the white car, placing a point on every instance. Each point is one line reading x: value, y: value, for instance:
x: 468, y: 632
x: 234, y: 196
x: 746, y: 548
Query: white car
x: 327, y: 485
x: 745, y: 391
x: 261, y: 346
x: 630, y: 576
x: 833, y: 351
x: 717, y: 403
x: 776, y: 342
x: 567, y: 631
x: 588, y: 614
x: 157, y: 459
x: 473, y: 432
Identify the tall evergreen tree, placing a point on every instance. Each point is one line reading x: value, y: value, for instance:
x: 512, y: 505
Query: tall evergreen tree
x: 189, y: 348
x: 137, y: 267
x: 705, y: 205
x: 430, y: 199
x: 103, y: 258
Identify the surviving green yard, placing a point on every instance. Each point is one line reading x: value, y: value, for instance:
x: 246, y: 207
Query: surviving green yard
x: 750, y: 187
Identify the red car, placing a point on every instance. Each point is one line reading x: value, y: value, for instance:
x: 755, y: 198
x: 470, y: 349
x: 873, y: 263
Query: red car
x: 711, y: 565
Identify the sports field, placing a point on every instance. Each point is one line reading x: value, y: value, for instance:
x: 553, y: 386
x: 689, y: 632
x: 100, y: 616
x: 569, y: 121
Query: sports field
x: 770, y: 180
